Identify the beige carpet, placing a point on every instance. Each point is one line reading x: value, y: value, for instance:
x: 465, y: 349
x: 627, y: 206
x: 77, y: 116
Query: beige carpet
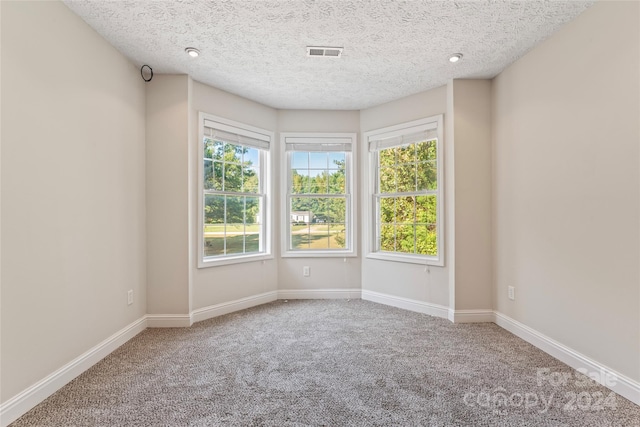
x: 331, y: 363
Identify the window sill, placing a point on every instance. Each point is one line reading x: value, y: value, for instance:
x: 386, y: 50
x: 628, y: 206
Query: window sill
x: 233, y: 260
x: 319, y: 254
x: 410, y: 259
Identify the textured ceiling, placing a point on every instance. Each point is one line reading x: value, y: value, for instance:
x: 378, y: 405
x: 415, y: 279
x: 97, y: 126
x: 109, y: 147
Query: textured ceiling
x: 257, y: 49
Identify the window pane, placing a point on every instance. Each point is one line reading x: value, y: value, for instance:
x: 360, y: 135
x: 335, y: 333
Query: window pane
x: 300, y: 160
x: 299, y: 181
x: 234, y: 240
x: 387, y: 157
x: 387, y: 210
x: 337, y: 236
x: 406, y: 177
x: 406, y: 154
x: 232, y: 177
x: 318, y: 160
x: 312, y: 185
x: 213, y: 243
x: 321, y: 210
x: 336, y: 211
x: 251, y: 157
x: 305, y: 229
x: 208, y: 174
x: 405, y: 209
x: 212, y: 179
x: 234, y: 228
x: 317, y: 181
x: 208, y: 148
x: 218, y: 150
x: 218, y: 176
x: 300, y: 211
x: 387, y: 180
x: 252, y: 225
x: 337, y: 182
x: 233, y: 153
x: 426, y: 150
x: 234, y: 211
x: 426, y: 239
x: 251, y: 180
x: 252, y: 212
x: 337, y: 160
x: 405, y: 238
x: 252, y: 238
x: 427, y: 176
x: 299, y: 235
x: 213, y: 225
x: 426, y: 209
x: 387, y: 238
x: 319, y: 236
x: 213, y: 209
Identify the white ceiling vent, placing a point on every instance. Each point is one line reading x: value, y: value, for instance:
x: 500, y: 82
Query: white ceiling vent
x: 328, y: 52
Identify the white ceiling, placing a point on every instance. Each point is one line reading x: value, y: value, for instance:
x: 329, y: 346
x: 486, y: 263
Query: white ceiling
x: 257, y: 49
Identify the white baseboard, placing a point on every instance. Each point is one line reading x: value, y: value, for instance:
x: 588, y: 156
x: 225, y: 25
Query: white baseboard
x: 231, y: 306
x: 319, y: 293
x: 18, y: 405
x: 406, y: 303
x: 168, y: 320
x: 615, y: 381
x: 184, y: 320
x: 471, y: 316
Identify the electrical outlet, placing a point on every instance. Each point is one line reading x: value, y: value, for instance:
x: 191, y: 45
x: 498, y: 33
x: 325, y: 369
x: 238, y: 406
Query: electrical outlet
x: 306, y: 271
x: 511, y: 291
x: 130, y: 297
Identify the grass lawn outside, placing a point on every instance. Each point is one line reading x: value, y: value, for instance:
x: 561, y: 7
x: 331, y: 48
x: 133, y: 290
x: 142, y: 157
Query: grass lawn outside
x: 215, y: 245
x: 304, y: 237
x: 231, y: 228
x: 317, y: 236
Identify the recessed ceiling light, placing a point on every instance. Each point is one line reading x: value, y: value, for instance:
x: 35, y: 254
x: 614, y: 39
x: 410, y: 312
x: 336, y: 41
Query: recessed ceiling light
x: 192, y: 51
x: 455, y: 57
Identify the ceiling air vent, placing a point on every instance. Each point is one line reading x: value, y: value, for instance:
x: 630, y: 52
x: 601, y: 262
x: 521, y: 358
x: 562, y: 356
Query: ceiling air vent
x: 328, y: 52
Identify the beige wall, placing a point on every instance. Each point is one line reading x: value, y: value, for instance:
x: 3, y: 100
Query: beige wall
x: 566, y: 186
x: 73, y: 191
x: 401, y: 279
x: 215, y: 285
x: 167, y: 188
x: 469, y: 108
x: 326, y: 273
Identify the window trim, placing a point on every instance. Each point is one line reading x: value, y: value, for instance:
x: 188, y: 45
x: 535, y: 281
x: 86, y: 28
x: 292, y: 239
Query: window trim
x: 265, y: 172
x: 395, y: 131
x: 301, y: 138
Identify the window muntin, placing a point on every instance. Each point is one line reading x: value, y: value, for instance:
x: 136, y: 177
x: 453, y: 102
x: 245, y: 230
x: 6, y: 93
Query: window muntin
x: 233, y: 192
x: 318, y: 206
x: 406, y: 199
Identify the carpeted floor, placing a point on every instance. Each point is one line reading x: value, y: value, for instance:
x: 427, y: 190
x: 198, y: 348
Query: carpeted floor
x: 331, y: 363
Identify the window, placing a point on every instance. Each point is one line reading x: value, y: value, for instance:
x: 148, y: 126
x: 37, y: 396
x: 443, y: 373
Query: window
x: 318, y: 206
x: 234, y: 222
x: 406, y: 175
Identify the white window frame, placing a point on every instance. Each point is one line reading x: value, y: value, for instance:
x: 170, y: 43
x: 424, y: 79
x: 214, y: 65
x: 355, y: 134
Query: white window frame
x: 242, y: 129
x: 373, y: 233
x: 352, y: 197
